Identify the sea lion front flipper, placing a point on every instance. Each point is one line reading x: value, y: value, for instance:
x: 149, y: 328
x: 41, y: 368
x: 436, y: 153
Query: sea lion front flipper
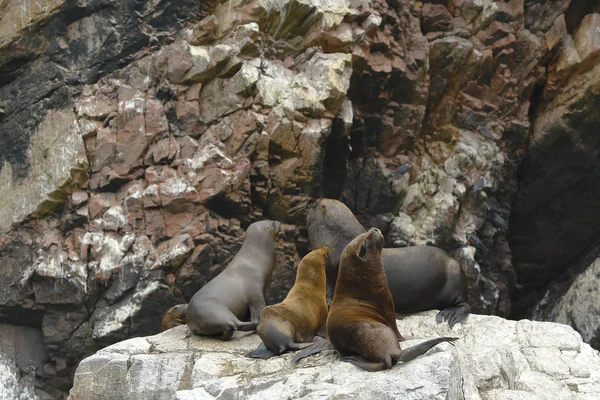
x: 422, y: 348
x: 313, y: 348
x: 256, y: 306
x: 364, y: 364
x: 454, y: 314
x: 261, y: 351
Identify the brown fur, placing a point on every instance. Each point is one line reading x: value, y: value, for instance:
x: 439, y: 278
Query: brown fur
x: 174, y: 316
x: 420, y: 278
x: 361, y: 324
x: 303, y: 313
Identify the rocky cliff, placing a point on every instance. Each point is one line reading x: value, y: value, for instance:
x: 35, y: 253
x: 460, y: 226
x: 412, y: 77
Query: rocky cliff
x: 140, y: 138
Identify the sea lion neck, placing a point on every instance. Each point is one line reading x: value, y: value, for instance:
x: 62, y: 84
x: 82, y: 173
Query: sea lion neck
x: 361, y: 271
x: 262, y: 234
x: 312, y: 267
x: 331, y: 224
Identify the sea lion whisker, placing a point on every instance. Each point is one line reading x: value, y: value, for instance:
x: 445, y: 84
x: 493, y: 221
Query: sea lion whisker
x: 298, y: 208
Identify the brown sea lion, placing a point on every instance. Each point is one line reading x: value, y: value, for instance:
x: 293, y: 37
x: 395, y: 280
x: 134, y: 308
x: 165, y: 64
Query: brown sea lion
x: 237, y: 294
x: 420, y: 278
x: 174, y: 316
x: 294, y: 323
x: 361, y: 324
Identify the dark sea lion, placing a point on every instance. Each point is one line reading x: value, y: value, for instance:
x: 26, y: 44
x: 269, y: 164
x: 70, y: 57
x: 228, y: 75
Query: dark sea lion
x: 420, y: 278
x: 361, y: 324
x: 237, y: 294
x: 174, y: 316
x: 294, y: 323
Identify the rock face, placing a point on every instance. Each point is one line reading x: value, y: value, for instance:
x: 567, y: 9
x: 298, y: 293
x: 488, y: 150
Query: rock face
x: 11, y: 384
x: 580, y: 305
x: 563, y: 149
x: 140, y: 139
x: 494, y: 359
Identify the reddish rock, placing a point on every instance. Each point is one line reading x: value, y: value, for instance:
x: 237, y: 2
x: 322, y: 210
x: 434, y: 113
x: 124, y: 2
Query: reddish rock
x: 105, y: 151
x: 178, y: 59
x: 174, y: 251
x: 557, y: 33
x: 436, y: 18
x: 131, y: 140
x: 78, y: 198
x: 154, y: 223
x: 155, y: 120
x: 99, y: 203
x: 162, y: 151
x: 494, y: 32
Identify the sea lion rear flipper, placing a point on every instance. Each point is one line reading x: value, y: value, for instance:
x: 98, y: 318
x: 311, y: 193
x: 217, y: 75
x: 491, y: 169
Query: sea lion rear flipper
x: 364, y: 364
x: 261, y: 351
x: 454, y: 314
x: 313, y: 348
x: 422, y: 348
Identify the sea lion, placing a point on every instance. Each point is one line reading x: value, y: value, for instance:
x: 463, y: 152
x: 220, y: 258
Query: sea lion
x: 294, y: 323
x: 361, y: 324
x: 420, y: 278
x: 225, y: 303
x: 174, y: 316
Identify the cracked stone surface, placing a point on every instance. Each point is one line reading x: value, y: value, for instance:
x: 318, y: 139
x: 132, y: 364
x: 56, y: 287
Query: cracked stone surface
x: 494, y: 359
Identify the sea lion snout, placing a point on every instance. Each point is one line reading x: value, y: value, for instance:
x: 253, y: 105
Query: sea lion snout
x: 376, y: 237
x: 279, y: 229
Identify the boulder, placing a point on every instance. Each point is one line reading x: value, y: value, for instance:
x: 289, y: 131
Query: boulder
x: 493, y: 359
x: 12, y: 387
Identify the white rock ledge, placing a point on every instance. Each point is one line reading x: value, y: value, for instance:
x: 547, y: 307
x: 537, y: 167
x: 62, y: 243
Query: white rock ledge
x: 494, y: 359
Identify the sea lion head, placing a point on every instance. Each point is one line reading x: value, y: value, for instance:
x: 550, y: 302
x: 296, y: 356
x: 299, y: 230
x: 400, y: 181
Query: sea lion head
x: 268, y: 228
x: 367, y: 247
x: 330, y: 224
x: 361, y: 274
x: 314, y: 263
x: 364, y: 251
x: 329, y: 212
x: 174, y: 316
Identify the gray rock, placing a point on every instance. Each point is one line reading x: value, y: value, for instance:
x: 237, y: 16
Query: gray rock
x: 12, y: 387
x: 580, y: 306
x: 57, y: 166
x: 494, y: 359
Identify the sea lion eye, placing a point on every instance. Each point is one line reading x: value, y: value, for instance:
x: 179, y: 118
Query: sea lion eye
x: 362, y: 251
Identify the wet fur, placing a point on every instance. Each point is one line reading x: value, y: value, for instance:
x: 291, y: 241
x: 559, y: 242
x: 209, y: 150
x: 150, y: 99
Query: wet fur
x: 361, y: 324
x: 234, y: 299
x: 293, y: 323
x: 420, y: 278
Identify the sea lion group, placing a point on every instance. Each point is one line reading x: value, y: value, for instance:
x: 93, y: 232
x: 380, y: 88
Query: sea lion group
x: 371, y: 284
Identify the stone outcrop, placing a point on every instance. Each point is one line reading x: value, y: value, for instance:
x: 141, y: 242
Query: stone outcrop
x: 578, y: 303
x: 140, y: 139
x: 563, y: 150
x: 493, y: 359
x: 11, y: 384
